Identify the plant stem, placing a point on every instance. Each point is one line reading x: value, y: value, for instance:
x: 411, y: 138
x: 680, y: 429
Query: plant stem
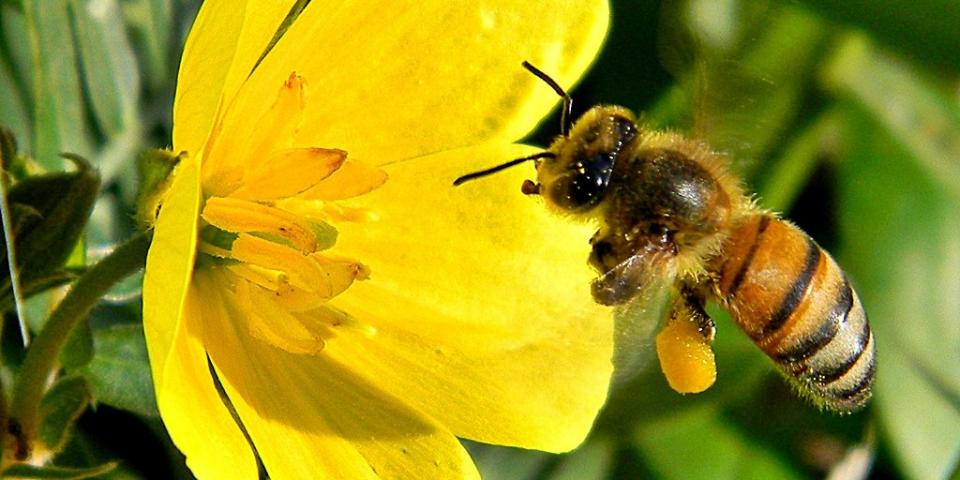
x: 41, y: 359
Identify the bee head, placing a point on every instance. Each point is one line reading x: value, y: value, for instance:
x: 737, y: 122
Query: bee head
x: 577, y: 176
x: 574, y: 173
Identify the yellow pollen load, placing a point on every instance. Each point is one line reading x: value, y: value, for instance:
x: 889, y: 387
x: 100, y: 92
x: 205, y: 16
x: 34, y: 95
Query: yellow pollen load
x: 685, y: 356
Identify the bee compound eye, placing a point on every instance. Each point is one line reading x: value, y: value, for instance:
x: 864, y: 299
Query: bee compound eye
x: 579, y: 190
x: 588, y: 180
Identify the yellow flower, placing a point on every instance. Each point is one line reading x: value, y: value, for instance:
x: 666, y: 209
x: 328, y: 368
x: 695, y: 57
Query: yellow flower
x: 312, y: 258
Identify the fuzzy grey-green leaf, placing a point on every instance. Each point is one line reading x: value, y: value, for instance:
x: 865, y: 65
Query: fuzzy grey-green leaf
x: 59, y: 113
x: 119, y: 373
x: 108, y: 64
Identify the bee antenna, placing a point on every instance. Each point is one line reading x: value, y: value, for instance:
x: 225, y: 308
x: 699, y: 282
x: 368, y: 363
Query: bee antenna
x: 503, y: 166
x: 567, y: 100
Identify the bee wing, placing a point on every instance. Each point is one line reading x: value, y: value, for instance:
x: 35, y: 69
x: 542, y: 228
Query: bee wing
x: 648, y: 278
x: 730, y: 101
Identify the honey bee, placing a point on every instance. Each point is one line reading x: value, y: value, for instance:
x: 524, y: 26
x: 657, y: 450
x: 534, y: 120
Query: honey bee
x: 668, y: 208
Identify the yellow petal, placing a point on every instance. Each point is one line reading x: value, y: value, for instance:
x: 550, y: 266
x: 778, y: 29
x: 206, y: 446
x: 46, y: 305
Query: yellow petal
x: 367, y: 95
x: 190, y: 405
x: 224, y: 43
x: 311, y: 418
x: 170, y: 263
x: 192, y: 410
x: 483, y: 297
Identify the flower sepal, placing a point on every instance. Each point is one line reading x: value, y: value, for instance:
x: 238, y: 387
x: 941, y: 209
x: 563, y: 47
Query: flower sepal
x: 14, y: 165
x: 48, y: 215
x: 156, y: 169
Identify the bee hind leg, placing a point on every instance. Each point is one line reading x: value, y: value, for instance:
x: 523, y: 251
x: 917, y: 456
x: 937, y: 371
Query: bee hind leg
x: 690, y: 306
x: 684, y: 345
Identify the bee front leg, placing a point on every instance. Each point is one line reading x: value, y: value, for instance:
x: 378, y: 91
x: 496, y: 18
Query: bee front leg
x: 627, y: 265
x: 603, y: 257
x: 621, y: 277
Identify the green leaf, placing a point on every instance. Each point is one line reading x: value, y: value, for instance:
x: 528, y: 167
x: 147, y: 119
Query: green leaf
x: 593, y: 460
x: 112, y: 81
x: 119, y: 373
x: 152, y: 24
x: 60, y: 408
x: 785, y: 176
x: 920, y: 28
x: 109, y: 66
x: 78, y: 350
x: 502, y: 463
x: 16, y: 48
x: 59, y: 114
x: 921, y: 116
x: 13, y: 103
x: 703, y: 443
x: 18, y: 4
x: 902, y: 247
x: 59, y: 473
x: 899, y: 198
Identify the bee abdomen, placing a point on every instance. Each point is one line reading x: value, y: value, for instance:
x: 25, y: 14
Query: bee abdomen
x: 796, y: 304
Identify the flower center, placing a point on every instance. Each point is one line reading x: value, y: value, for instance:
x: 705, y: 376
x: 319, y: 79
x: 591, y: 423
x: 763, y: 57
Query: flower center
x: 267, y: 223
x: 280, y: 276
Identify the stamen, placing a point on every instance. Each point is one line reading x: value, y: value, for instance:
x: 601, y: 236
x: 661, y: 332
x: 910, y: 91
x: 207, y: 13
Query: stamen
x: 303, y: 271
x: 304, y: 331
x: 245, y: 216
x: 289, y: 172
x: 341, y: 274
x: 276, y: 326
x: 333, y: 320
x: 254, y: 134
x: 339, y: 213
x: 269, y: 279
x: 293, y: 299
x: 213, y: 250
x: 352, y: 179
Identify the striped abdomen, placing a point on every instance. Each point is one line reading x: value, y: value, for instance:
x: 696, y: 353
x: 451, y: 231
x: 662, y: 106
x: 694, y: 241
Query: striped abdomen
x: 796, y: 304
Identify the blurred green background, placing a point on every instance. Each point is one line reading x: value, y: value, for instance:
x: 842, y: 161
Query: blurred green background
x: 844, y: 116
